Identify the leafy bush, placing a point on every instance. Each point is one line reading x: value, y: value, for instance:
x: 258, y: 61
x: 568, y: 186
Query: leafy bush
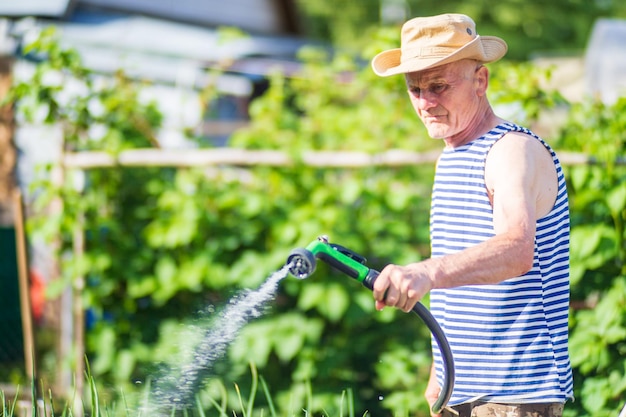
x: 598, y: 206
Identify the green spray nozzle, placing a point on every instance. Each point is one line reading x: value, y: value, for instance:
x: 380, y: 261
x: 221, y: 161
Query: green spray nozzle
x: 304, y: 260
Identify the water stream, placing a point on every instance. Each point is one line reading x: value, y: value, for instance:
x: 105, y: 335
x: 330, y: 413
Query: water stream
x: 178, y: 386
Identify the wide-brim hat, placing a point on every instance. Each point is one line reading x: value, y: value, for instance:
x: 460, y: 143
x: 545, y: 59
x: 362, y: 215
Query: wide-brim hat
x: 428, y: 42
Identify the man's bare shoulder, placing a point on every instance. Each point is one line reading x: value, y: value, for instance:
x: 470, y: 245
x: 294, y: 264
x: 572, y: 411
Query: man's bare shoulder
x: 520, y: 163
x: 514, y: 142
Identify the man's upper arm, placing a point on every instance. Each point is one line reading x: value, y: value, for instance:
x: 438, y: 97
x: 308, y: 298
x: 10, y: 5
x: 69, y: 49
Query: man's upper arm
x: 511, y: 174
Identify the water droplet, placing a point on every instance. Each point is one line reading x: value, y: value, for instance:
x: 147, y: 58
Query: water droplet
x: 380, y: 398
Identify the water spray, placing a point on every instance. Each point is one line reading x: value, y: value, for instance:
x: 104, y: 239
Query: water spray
x: 176, y: 388
x: 303, y: 262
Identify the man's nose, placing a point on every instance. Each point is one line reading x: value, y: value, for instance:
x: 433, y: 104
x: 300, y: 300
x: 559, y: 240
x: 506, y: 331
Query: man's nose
x: 424, y: 100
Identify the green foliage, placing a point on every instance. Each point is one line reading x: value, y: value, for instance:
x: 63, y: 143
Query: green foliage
x: 518, y: 88
x: 598, y: 207
x: 530, y: 27
x: 162, y: 244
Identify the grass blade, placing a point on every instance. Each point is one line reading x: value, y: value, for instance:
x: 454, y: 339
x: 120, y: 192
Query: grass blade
x: 309, y: 396
x: 199, y: 407
x: 34, y: 395
x: 12, y: 408
x: 219, y: 408
x: 341, y: 401
x: 243, y: 409
x: 95, y: 402
x: 253, y: 388
x: 146, y: 396
x: 350, y: 403
x: 268, y: 397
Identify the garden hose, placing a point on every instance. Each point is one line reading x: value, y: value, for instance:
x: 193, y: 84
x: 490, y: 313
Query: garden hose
x: 302, y: 263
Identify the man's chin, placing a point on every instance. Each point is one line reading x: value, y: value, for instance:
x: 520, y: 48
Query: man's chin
x: 436, y: 133
x: 437, y: 130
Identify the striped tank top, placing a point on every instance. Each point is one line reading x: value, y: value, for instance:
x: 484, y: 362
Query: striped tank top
x: 508, y: 340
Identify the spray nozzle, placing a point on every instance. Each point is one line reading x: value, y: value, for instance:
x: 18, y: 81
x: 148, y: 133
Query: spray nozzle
x: 302, y: 263
x: 304, y: 260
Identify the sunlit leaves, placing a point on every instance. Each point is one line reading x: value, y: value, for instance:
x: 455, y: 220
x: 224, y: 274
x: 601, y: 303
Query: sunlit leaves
x: 286, y: 335
x: 162, y: 243
x: 591, y: 248
x: 331, y: 300
x: 598, y: 252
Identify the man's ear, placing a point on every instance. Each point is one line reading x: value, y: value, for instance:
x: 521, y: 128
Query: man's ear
x: 481, y: 80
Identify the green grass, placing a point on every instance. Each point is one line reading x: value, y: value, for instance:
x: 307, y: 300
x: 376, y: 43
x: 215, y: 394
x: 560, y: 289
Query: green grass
x: 245, y: 406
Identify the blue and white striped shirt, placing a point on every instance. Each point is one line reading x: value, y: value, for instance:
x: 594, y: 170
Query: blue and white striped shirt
x: 508, y: 340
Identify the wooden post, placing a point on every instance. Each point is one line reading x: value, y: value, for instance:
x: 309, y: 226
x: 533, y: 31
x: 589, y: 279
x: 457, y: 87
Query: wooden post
x: 78, y: 319
x: 7, y: 150
x: 24, y: 287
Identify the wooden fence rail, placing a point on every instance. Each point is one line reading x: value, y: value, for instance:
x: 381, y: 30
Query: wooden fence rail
x: 232, y: 156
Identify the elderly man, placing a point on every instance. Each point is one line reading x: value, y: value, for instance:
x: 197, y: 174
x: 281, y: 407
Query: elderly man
x: 498, y: 275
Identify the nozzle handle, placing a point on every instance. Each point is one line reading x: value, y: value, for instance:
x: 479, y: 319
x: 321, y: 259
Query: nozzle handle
x: 339, y: 265
x: 370, y: 278
x: 440, y: 338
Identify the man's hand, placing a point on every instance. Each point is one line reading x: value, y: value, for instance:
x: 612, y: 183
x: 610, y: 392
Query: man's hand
x: 402, y: 286
x: 432, y: 391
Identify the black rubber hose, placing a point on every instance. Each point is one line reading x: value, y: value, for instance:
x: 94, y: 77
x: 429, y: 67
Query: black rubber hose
x: 442, y: 343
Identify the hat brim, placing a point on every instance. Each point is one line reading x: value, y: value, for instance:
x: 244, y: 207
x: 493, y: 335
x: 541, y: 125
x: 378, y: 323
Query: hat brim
x: 483, y: 48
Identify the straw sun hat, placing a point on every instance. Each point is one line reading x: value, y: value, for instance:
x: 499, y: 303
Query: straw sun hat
x: 428, y: 42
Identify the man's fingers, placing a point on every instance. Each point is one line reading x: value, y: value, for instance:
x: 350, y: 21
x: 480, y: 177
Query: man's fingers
x: 381, y: 285
x: 392, y: 288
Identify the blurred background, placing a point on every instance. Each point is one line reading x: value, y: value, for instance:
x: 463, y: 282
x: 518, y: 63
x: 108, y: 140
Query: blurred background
x: 156, y: 157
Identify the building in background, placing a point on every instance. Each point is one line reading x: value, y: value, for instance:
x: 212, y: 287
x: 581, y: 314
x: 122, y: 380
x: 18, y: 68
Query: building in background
x: 605, y: 60
x: 172, y: 44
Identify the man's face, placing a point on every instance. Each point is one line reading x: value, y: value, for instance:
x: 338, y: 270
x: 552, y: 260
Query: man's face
x: 447, y: 98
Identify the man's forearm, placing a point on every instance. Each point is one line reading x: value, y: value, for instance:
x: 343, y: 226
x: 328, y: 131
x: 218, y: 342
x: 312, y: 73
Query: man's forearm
x: 490, y: 262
